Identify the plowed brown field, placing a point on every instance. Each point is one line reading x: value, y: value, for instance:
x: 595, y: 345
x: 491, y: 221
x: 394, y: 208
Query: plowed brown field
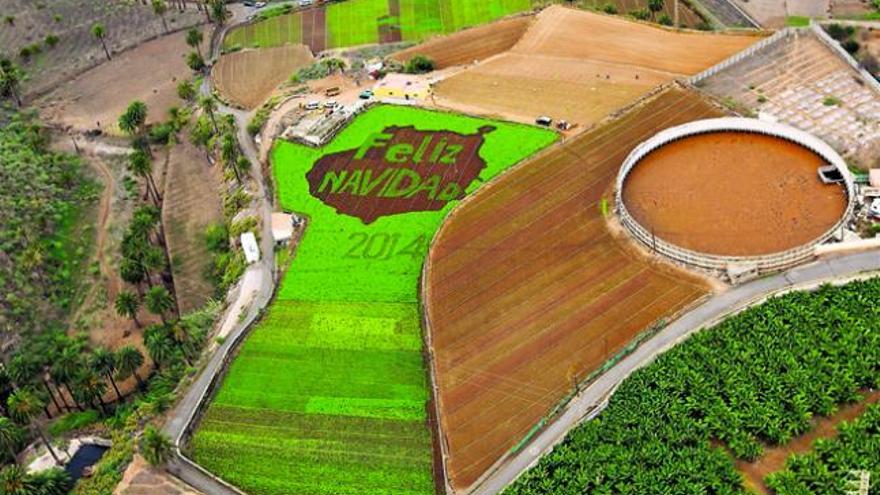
x: 527, y: 290
x: 472, y: 44
x: 249, y: 77
x: 553, y: 71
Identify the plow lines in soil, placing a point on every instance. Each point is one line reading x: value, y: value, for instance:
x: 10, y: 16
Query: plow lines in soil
x: 527, y: 290
x: 329, y: 394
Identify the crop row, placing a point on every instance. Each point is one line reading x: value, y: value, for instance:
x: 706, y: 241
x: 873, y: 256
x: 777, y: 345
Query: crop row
x: 835, y: 464
x: 329, y: 393
x: 755, y: 379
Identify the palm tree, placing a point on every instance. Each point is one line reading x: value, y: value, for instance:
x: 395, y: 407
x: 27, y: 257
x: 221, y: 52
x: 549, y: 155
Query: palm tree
x: 127, y: 305
x: 159, y: 344
x: 194, y: 39
x: 132, y: 271
x: 10, y: 434
x: 90, y: 388
x: 180, y: 334
x: 229, y: 153
x: 186, y: 91
x: 159, y: 301
x: 51, y: 482
x: 218, y: 12
x: 11, y: 77
x: 655, y: 6
x: 23, y: 370
x: 104, y: 363
x: 209, y: 105
x: 139, y: 164
x: 24, y: 405
x: 65, y: 367
x: 14, y: 480
x: 128, y: 360
x: 160, y: 8
x: 133, y: 119
x: 155, y: 446
x: 99, y: 32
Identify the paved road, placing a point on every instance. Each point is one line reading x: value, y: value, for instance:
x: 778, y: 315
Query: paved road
x: 254, y: 293
x: 594, y: 398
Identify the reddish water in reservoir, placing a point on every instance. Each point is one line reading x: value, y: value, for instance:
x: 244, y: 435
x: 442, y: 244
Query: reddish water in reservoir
x: 733, y: 193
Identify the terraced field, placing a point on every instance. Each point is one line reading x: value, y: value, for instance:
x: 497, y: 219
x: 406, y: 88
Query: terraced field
x: 361, y: 22
x: 332, y: 385
x: 527, y: 291
x: 248, y: 77
x: 192, y: 202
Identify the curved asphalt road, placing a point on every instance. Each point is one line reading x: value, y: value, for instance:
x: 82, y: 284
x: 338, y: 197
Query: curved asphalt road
x: 594, y: 398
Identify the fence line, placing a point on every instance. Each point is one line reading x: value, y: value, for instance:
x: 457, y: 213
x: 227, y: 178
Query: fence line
x: 762, y: 263
x: 844, y: 55
x: 738, y: 57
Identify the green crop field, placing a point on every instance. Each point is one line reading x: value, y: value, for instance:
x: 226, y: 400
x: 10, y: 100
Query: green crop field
x: 328, y: 395
x: 756, y: 379
x: 358, y: 22
x: 830, y: 467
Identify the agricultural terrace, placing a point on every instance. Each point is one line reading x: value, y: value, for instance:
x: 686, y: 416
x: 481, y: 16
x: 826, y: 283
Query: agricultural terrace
x: 757, y: 379
x: 465, y: 47
x: 527, y: 290
x: 801, y: 82
x: 551, y: 71
x: 248, y: 77
x: 364, y: 22
x: 331, y: 385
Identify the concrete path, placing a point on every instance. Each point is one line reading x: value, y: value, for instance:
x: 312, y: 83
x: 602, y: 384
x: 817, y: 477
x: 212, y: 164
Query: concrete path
x: 594, y: 398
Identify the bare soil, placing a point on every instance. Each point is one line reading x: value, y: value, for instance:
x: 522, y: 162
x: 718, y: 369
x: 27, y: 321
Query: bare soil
x: 774, y: 458
x: 247, y: 78
x: 733, y: 193
x: 142, y: 479
x: 470, y: 45
x: 97, y: 98
x: 127, y: 24
x: 96, y: 314
x: 527, y: 290
x: 552, y: 71
x: 192, y: 202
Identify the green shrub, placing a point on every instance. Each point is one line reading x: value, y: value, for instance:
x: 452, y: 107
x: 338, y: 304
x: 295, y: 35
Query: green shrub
x: 217, y: 237
x: 641, y: 14
x: 73, y: 421
x: 609, y: 9
x: 665, y: 20
x: 419, y: 64
x: 51, y: 40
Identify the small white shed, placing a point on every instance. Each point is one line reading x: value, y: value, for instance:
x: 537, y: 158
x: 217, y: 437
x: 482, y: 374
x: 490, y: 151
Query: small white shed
x: 282, y: 227
x: 250, y: 247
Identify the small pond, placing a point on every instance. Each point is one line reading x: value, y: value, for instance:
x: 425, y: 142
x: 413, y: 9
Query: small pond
x: 87, y: 455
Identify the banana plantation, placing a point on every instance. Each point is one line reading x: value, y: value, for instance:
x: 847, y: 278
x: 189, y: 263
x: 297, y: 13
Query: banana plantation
x: 755, y: 380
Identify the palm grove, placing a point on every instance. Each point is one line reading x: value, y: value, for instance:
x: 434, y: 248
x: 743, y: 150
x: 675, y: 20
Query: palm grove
x: 50, y: 373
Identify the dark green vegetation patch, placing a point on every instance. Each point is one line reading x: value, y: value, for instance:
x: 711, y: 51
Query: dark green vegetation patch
x: 757, y: 378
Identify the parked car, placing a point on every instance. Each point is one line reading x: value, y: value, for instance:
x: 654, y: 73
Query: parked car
x: 306, y: 3
x: 330, y: 104
x: 249, y: 3
x: 312, y: 105
x: 365, y: 95
x: 260, y: 5
x: 544, y: 121
x: 874, y: 210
